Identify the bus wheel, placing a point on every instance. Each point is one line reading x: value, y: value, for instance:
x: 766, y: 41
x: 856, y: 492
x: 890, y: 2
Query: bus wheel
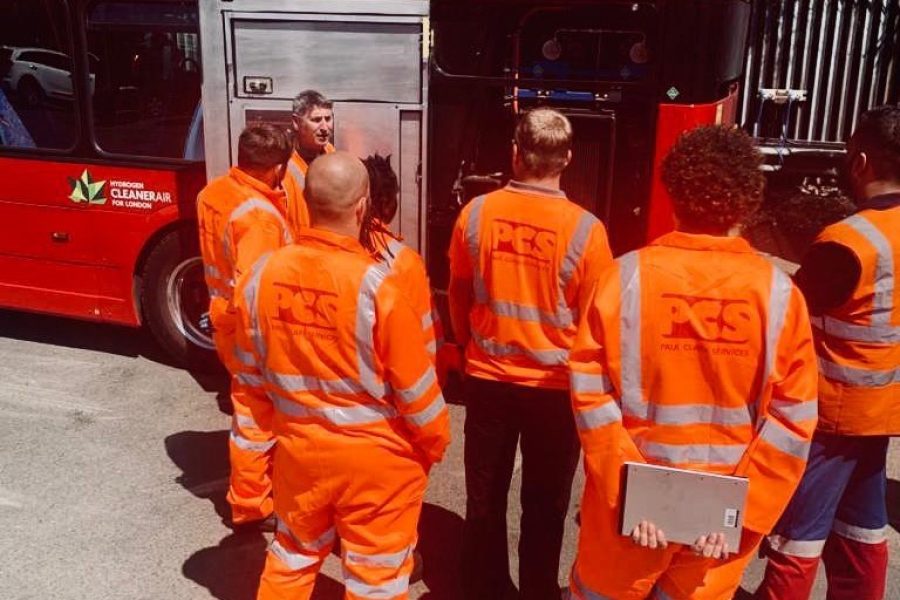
x: 174, y: 300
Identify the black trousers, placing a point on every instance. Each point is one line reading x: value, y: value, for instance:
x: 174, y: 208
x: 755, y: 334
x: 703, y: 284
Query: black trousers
x: 497, y: 416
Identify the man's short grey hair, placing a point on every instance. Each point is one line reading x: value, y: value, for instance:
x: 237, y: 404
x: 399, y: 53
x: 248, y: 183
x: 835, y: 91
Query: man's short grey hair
x: 307, y: 100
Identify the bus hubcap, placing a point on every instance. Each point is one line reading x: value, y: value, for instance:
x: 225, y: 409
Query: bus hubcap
x: 188, y: 301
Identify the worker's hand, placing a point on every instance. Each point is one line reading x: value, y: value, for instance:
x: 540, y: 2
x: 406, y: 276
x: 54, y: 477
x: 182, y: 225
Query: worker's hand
x: 711, y: 546
x: 647, y: 535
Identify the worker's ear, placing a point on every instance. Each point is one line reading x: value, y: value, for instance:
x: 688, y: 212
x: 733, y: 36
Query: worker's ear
x: 568, y: 158
x: 858, y: 165
x: 362, y: 207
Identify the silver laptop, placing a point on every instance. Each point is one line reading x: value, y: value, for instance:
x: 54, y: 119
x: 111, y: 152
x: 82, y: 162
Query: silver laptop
x: 684, y: 504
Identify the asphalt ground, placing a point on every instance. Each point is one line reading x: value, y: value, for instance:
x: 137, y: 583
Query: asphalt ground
x: 113, y: 469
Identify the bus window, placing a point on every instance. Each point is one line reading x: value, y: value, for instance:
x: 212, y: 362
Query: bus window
x: 148, y: 76
x: 36, y: 85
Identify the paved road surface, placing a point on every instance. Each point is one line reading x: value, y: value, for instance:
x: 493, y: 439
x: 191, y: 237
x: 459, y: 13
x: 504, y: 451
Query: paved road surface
x: 113, y: 467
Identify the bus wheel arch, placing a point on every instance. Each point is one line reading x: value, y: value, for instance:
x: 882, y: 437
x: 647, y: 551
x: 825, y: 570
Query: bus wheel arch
x: 171, y: 295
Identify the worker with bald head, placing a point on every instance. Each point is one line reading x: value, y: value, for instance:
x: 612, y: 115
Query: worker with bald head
x: 356, y: 409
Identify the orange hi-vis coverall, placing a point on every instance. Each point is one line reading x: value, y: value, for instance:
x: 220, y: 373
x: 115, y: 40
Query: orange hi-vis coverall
x: 859, y: 343
x: 357, y: 413
x: 295, y: 184
x: 525, y: 274
x: 696, y: 353
x: 408, y: 268
x: 240, y: 219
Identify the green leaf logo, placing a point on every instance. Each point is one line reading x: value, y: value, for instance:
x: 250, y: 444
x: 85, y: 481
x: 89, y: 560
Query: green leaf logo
x: 85, y: 189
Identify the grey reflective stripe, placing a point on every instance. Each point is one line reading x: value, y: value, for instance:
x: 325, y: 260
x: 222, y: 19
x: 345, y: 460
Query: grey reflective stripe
x: 798, y: 548
x: 365, y: 330
x: 588, y: 383
x: 582, y: 590
x: 710, y: 454
x: 212, y: 271
x: 497, y: 350
x: 361, y: 414
x: 427, y: 320
x: 576, y: 247
x: 863, y: 535
x: 308, y: 383
x: 214, y: 293
x: 473, y: 228
x: 245, y: 421
x: 320, y: 543
x: 533, y: 314
x: 785, y: 440
x: 431, y: 347
x: 249, y: 379
x: 858, y: 377
x: 687, y: 414
x: 297, y: 174
x: 391, y: 560
x: 630, y: 335
x: 245, y: 358
x: 885, y: 334
x: 293, y: 560
x: 779, y: 299
x: 388, y: 589
x: 429, y: 414
x: 265, y: 206
x: 245, y: 444
x: 883, y: 301
x: 391, y: 252
x: 251, y: 298
x: 598, y: 417
x: 795, y: 412
x: 415, y: 391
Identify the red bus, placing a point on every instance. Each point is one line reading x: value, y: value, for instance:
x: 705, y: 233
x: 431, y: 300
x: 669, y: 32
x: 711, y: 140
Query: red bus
x: 101, y: 160
x: 102, y: 147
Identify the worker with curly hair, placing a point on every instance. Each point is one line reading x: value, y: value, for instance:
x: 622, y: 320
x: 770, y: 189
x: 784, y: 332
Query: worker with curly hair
x: 694, y: 352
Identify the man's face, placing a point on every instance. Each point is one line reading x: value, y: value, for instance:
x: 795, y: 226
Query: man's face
x: 314, y: 129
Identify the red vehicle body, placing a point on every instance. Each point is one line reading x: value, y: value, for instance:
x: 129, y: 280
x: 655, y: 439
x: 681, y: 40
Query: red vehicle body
x: 98, y: 193
x: 97, y: 199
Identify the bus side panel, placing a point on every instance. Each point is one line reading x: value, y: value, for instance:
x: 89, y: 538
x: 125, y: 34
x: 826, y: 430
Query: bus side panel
x: 77, y: 229
x: 672, y: 121
x: 132, y: 235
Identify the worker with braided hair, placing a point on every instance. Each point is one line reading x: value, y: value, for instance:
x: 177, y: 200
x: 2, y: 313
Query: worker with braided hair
x: 403, y: 261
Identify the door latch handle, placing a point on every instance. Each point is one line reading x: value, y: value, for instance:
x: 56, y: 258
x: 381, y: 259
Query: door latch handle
x: 59, y: 236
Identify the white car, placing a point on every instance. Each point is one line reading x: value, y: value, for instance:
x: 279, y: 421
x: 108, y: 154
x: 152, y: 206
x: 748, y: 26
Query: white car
x: 38, y: 73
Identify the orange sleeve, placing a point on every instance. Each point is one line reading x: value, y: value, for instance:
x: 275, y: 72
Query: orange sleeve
x: 253, y: 235
x: 298, y: 211
x: 460, y: 293
x: 400, y: 343
x: 595, y: 391
x: 597, y: 258
x: 776, y: 458
x: 411, y: 272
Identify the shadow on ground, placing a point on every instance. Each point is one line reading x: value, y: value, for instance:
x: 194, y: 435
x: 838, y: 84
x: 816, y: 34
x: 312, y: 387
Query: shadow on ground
x: 440, y: 543
x: 110, y: 339
x: 231, y: 569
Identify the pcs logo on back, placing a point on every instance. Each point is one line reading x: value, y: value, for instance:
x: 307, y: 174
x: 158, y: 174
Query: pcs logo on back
x: 714, y: 320
x: 522, y: 241
x: 306, y: 307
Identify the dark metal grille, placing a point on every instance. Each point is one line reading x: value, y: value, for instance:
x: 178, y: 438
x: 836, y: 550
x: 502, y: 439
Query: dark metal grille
x: 844, y: 53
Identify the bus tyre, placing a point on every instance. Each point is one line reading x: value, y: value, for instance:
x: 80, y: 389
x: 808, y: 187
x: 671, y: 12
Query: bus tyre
x: 174, y: 300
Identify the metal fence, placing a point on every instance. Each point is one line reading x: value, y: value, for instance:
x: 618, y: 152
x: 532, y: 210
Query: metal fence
x: 842, y: 53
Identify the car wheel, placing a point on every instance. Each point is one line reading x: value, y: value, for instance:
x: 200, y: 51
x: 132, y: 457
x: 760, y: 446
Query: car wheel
x: 175, y: 301
x: 30, y: 91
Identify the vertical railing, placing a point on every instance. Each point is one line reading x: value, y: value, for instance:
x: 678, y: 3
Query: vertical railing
x: 842, y: 52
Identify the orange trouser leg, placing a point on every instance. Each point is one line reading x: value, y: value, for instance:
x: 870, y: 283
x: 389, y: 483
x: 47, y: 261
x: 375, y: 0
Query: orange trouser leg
x: 295, y: 557
x: 692, y: 577
x: 250, y: 450
x: 378, y: 534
